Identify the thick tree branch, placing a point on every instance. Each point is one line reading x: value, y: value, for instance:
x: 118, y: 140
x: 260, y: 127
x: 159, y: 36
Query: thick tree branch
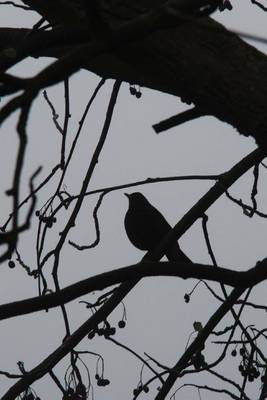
x: 198, y: 60
x: 138, y: 271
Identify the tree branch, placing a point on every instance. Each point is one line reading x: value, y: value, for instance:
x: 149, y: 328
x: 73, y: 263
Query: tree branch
x: 195, y: 59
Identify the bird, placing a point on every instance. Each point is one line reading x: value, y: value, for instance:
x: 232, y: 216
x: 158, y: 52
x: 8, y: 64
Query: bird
x: 145, y: 227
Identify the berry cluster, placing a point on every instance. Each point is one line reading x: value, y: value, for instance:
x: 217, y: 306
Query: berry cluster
x: 139, y: 389
x: 49, y: 221
x: 247, y: 366
x: 107, y: 330
x: 74, y: 394
x: 101, y: 381
x: 135, y: 92
x: 225, y: 5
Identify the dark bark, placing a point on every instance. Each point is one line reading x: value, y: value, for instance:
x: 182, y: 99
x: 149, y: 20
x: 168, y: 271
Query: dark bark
x: 198, y: 60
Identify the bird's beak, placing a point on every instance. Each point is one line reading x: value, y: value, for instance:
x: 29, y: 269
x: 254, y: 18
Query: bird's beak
x: 127, y: 194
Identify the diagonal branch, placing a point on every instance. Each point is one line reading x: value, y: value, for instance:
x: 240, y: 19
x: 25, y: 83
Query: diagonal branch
x: 181, y: 227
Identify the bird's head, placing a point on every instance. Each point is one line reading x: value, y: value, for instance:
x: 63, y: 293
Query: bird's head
x: 136, y: 199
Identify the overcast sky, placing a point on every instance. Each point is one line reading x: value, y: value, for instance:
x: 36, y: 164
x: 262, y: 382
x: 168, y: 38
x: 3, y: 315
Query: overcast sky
x: 159, y: 322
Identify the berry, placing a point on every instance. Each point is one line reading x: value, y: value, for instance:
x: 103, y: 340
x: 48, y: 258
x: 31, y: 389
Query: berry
x: 228, y: 5
x: 81, y: 390
x: 101, y: 331
x: 234, y: 353
x: 11, y: 264
x: 132, y: 90
x: 121, y: 324
x: 49, y: 223
x: 242, y: 351
x: 186, y: 298
x: 198, y: 326
x: 109, y: 332
x: 112, y: 331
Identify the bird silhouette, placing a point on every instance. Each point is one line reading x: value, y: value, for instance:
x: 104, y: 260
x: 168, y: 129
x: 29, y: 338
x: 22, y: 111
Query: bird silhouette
x: 146, y: 226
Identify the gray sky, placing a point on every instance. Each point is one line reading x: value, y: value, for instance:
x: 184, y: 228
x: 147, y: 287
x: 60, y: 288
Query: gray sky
x: 159, y: 322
